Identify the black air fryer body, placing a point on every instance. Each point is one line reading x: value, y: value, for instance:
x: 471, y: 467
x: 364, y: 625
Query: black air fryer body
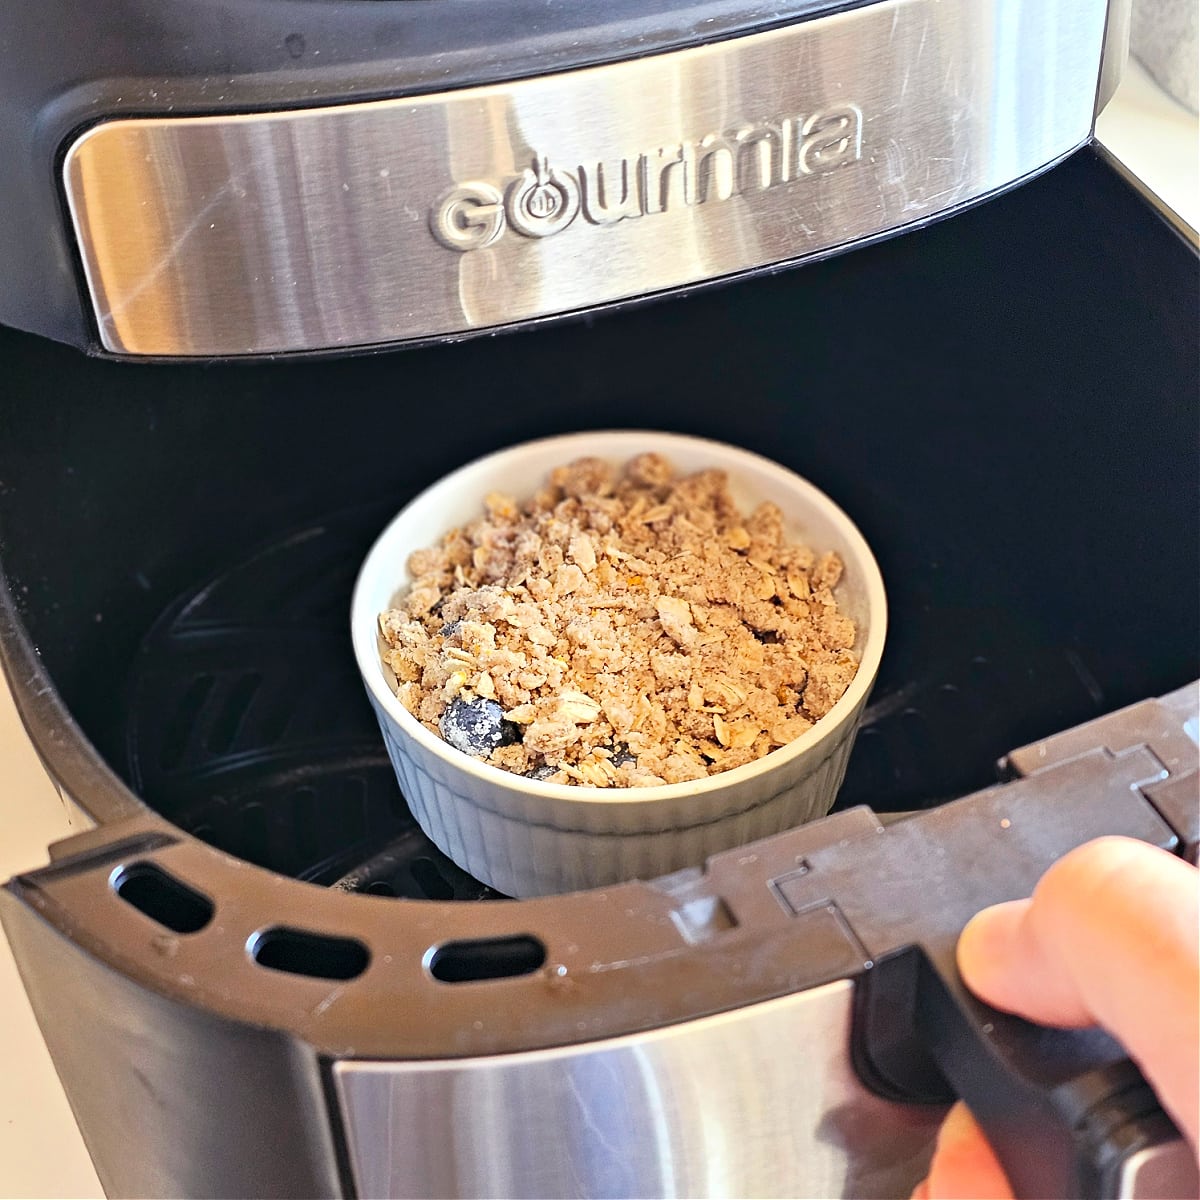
x: 254, y: 973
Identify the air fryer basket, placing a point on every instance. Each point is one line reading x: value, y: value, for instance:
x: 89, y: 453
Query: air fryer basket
x: 1003, y: 402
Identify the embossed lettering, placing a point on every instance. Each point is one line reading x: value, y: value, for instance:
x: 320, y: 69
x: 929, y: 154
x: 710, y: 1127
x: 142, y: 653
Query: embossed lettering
x: 710, y: 169
x: 542, y: 201
x: 468, y: 217
x: 760, y: 158
x: 830, y: 138
x: 609, y: 192
x: 662, y: 179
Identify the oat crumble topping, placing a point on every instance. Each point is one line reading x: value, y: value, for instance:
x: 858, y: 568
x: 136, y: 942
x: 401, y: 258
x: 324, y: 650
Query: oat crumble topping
x: 620, y: 629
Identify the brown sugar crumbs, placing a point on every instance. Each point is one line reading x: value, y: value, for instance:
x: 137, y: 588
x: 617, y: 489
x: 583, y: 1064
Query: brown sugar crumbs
x: 620, y: 629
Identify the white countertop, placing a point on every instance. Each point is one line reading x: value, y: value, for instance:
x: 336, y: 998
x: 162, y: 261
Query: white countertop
x: 1157, y: 139
x: 41, y: 1151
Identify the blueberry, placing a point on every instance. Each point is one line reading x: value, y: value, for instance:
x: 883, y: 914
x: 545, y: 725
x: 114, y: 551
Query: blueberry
x: 477, y: 727
x: 449, y: 630
x: 622, y: 756
x: 542, y: 773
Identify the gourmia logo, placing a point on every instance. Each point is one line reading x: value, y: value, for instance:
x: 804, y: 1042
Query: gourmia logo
x: 545, y: 199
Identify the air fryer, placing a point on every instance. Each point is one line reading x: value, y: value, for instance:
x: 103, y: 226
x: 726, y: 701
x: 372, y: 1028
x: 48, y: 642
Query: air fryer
x: 249, y: 303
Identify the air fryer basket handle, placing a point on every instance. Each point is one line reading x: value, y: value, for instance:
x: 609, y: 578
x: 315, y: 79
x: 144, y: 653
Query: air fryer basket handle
x: 1066, y: 1112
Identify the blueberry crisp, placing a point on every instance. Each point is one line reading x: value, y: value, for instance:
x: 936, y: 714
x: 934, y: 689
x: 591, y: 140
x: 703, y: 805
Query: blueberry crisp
x: 622, y: 628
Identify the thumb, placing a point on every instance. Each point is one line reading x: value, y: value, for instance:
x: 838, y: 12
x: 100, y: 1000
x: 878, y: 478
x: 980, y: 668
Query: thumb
x: 964, y: 1166
x: 1111, y: 938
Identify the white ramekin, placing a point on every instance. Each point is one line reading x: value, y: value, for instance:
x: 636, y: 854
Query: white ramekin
x: 527, y: 838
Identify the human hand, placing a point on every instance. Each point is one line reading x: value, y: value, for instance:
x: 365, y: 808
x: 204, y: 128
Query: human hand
x: 1110, y: 937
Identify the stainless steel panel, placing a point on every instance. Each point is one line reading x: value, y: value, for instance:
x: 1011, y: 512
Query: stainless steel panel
x: 438, y: 214
x: 757, y: 1102
x: 1116, y: 50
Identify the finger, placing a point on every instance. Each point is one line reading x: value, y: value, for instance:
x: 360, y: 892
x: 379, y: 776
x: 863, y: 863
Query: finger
x: 964, y: 1166
x: 1110, y: 937
x: 1004, y: 961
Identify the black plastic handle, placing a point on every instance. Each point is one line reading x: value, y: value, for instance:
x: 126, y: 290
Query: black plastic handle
x: 1066, y: 1112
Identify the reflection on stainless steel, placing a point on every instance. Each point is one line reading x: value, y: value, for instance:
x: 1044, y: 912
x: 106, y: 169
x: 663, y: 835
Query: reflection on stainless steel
x: 1116, y: 50
x: 408, y: 218
x: 758, y: 1102
x: 1166, y: 1171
